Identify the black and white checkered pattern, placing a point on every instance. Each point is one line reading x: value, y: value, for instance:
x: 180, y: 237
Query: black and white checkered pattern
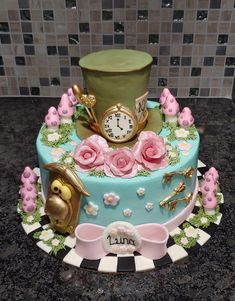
x: 127, y: 263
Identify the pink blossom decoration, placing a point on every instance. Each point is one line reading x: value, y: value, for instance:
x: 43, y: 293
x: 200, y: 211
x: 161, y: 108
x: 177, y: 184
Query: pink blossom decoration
x: 89, y: 154
x: 120, y: 163
x: 150, y: 151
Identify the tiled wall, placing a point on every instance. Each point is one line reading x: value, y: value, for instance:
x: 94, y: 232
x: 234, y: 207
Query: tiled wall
x: 192, y: 43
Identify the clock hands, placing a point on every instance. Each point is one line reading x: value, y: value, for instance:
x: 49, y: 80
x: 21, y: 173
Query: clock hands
x: 119, y: 125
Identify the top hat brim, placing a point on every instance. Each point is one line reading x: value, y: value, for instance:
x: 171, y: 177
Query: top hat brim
x: 154, y: 123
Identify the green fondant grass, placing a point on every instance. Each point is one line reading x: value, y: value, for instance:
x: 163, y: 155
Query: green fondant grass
x: 172, y: 127
x: 49, y: 242
x: 97, y: 173
x: 64, y: 132
x: 66, y: 155
x: 143, y: 173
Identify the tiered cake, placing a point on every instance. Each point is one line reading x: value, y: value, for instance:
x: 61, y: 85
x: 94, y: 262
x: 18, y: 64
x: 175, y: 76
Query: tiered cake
x: 118, y: 171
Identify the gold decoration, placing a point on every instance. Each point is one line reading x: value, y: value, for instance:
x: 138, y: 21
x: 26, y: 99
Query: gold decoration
x: 113, y: 115
x: 181, y: 187
x: 187, y: 173
x: 63, y: 197
x: 187, y: 199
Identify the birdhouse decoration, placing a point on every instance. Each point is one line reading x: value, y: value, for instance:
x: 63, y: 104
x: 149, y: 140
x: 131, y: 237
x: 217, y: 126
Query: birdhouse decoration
x: 116, y: 101
x: 64, y: 197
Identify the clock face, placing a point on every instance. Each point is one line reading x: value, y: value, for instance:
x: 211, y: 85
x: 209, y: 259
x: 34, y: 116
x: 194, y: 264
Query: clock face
x: 118, y: 125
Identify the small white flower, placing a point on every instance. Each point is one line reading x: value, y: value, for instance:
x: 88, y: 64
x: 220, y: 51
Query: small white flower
x: 91, y: 209
x: 57, y: 152
x: 184, y: 146
x: 191, y: 232
x: 73, y: 143
x: 55, y: 242
x: 203, y: 220
x: 140, y: 191
x: 68, y: 160
x: 46, y: 235
x: 184, y: 240
x: 181, y: 133
x: 172, y: 154
x: 111, y: 199
x: 30, y: 219
x: 149, y: 206
x: 127, y: 212
x: 169, y: 147
x: 53, y: 137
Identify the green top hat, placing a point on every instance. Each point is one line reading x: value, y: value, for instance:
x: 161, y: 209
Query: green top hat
x: 116, y: 76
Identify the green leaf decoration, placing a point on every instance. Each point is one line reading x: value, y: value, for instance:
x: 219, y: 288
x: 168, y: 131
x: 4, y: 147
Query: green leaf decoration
x: 80, y: 111
x: 67, y: 159
x: 56, y: 239
x: 33, y: 218
x: 97, y: 173
x: 143, y: 173
x: 64, y: 131
x: 183, y: 240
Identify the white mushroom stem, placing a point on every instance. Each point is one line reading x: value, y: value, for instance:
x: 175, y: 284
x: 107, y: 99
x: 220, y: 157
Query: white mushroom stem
x: 52, y: 128
x: 66, y: 119
x: 209, y: 211
x: 171, y: 118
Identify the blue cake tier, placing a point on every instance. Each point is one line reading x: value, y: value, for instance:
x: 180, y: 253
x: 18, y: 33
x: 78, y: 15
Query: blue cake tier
x: 139, y: 196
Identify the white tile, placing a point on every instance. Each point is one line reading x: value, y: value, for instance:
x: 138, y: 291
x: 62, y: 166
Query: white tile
x: 37, y: 171
x: 203, y: 237
x: 43, y: 246
x: 108, y: 264
x: 200, y: 164
x: 70, y: 241
x: 143, y: 264
x: 73, y: 258
x: 190, y: 216
x: 176, y: 252
x: 222, y: 197
x: 126, y: 255
x: 217, y: 222
x: 30, y: 228
x: 47, y: 226
x: 198, y: 173
x: 176, y: 231
x: 198, y: 204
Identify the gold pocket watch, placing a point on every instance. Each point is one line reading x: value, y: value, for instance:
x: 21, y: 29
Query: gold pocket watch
x: 118, y: 124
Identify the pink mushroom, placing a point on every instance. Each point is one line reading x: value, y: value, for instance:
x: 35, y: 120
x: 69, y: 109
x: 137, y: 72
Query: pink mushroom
x: 212, y: 171
x: 165, y: 93
x: 52, y: 120
x: 66, y: 109
x: 28, y: 191
x: 28, y: 175
x: 208, y: 185
x: 209, y: 203
x: 185, y: 118
x: 71, y: 97
x: 170, y: 109
x: 29, y: 206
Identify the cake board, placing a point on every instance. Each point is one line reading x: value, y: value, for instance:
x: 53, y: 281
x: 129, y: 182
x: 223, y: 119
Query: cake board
x: 112, y: 263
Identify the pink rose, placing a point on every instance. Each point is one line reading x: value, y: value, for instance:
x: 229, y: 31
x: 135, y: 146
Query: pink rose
x: 89, y: 154
x: 120, y: 163
x: 150, y: 151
